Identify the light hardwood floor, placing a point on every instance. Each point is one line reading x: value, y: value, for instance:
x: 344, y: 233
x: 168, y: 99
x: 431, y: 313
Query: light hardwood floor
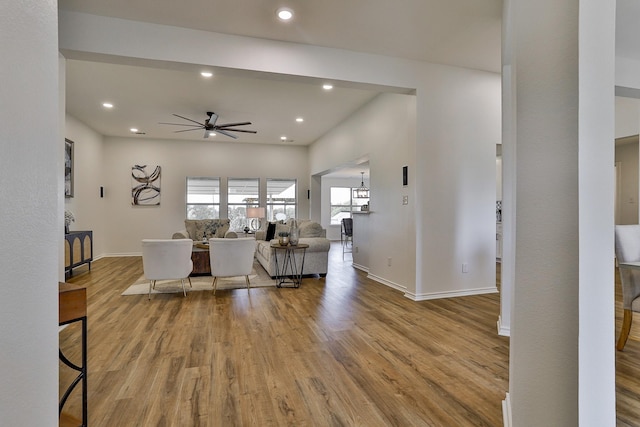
x: 340, y: 351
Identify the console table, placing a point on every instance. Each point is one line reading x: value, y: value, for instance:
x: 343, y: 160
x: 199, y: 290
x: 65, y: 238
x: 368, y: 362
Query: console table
x: 78, y: 250
x: 72, y: 307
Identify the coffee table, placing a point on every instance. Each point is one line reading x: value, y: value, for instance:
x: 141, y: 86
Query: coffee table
x: 201, y: 262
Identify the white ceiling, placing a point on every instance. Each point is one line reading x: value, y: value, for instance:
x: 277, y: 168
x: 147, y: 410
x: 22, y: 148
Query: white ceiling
x: 144, y: 97
x: 460, y: 32
x: 457, y: 32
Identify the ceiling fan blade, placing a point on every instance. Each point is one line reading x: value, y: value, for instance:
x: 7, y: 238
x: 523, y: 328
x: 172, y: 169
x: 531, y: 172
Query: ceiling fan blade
x: 225, y: 133
x: 179, y: 124
x: 237, y: 130
x: 206, y: 134
x: 187, y: 130
x: 226, y: 125
x: 186, y: 118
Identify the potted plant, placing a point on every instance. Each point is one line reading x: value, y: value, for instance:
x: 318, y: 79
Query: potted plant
x: 68, y: 219
x: 283, y: 238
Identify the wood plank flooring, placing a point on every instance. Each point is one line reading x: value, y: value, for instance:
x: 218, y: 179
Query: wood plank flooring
x: 339, y: 351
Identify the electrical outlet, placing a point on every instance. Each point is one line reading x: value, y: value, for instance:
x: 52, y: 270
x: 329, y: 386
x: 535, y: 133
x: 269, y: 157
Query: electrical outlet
x: 389, y: 262
x: 405, y: 200
x: 465, y: 267
x: 356, y: 249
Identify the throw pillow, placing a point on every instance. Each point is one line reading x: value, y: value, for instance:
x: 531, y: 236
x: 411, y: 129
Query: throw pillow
x: 191, y: 226
x: 271, y: 231
x: 222, y: 227
x: 209, y: 228
x: 310, y: 229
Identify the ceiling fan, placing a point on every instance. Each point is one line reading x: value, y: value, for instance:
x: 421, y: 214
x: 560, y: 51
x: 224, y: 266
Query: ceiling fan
x: 209, y: 126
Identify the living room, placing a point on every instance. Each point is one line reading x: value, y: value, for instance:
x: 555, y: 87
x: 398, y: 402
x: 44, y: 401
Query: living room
x: 453, y: 211
x: 118, y: 227
x: 470, y: 147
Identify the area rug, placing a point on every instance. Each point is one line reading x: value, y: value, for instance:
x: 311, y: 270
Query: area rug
x: 258, y: 278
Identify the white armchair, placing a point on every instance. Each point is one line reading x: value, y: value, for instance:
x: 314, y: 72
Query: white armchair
x: 231, y: 257
x: 167, y: 259
x: 628, y: 250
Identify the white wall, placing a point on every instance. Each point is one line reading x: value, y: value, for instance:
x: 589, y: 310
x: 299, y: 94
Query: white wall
x: 627, y: 111
x: 31, y: 170
x: 459, y: 119
x: 126, y: 225
x: 87, y: 206
x: 627, y: 116
x: 458, y: 171
x: 627, y: 73
x: 384, y: 131
x: 627, y: 157
x: 499, y: 178
x: 361, y: 248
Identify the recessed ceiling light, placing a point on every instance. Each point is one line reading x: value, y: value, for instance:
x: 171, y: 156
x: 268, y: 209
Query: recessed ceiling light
x: 107, y: 105
x: 206, y: 74
x: 284, y: 14
x: 299, y: 120
x: 327, y: 86
x: 283, y: 138
x: 134, y: 130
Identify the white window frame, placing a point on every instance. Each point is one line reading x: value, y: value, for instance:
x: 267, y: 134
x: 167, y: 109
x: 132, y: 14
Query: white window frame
x: 237, y: 210
x: 274, y: 204
x: 354, y: 204
x: 195, y: 198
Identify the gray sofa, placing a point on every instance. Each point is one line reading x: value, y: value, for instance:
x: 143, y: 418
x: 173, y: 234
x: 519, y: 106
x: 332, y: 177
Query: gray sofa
x: 311, y: 233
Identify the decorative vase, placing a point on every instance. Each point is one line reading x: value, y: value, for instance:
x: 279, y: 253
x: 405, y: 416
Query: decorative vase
x: 294, y: 233
x: 66, y: 229
x: 283, y: 240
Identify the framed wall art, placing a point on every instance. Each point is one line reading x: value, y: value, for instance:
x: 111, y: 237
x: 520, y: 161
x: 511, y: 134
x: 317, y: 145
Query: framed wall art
x: 145, y: 185
x: 68, y: 168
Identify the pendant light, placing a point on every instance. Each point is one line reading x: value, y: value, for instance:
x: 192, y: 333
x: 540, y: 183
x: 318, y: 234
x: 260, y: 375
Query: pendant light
x: 362, y: 192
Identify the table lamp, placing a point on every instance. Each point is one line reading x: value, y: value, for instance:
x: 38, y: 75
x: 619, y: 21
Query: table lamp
x: 256, y: 214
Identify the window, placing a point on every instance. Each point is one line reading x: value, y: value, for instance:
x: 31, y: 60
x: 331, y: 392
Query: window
x: 203, y: 198
x: 242, y: 193
x: 281, y: 198
x: 343, y: 203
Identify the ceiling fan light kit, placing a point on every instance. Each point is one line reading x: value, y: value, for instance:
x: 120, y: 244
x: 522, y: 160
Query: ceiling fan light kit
x: 210, y: 127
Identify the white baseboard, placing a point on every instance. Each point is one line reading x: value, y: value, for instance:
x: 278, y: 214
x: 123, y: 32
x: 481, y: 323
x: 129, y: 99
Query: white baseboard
x: 386, y: 282
x: 123, y: 254
x: 451, y: 294
x: 506, y: 411
x: 428, y: 296
x: 503, y: 330
x: 360, y: 267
